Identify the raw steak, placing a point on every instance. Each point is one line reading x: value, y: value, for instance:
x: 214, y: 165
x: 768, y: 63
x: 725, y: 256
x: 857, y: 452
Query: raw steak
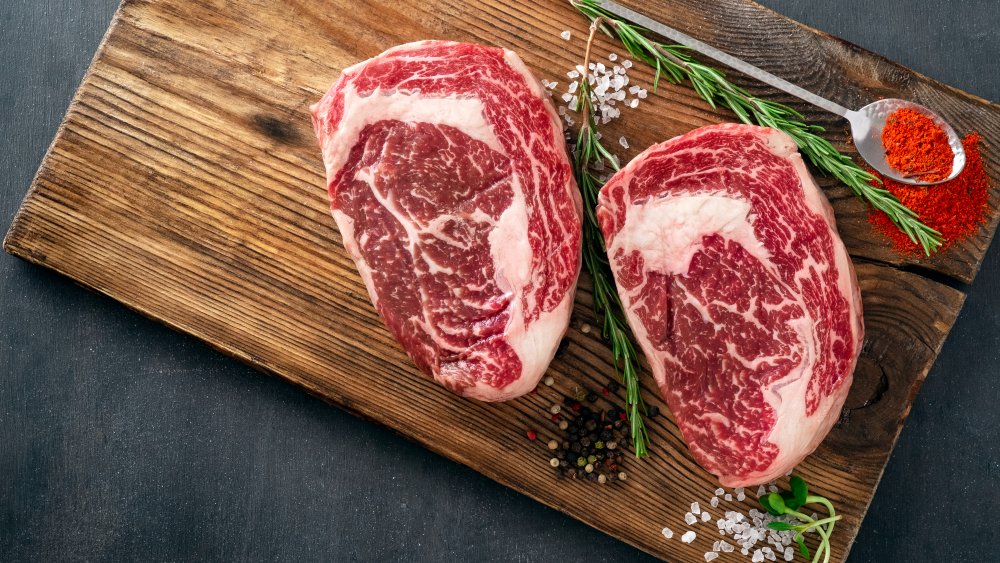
x: 451, y: 187
x: 739, y: 291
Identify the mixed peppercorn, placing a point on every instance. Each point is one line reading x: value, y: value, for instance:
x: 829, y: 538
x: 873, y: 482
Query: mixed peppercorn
x: 592, y: 442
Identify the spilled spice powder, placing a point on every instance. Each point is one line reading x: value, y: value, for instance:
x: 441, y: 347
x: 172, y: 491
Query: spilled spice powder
x: 955, y: 208
x: 916, y: 146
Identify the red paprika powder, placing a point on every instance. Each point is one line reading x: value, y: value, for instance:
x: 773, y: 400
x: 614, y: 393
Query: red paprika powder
x: 955, y: 208
x: 916, y: 146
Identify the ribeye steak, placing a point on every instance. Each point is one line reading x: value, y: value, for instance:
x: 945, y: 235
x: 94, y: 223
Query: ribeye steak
x: 450, y: 184
x: 739, y: 291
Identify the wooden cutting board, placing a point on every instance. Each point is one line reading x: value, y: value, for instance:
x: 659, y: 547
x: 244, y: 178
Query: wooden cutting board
x: 185, y: 183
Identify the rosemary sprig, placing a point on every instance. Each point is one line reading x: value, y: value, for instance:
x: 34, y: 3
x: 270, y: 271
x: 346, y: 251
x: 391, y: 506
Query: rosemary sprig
x: 790, y: 503
x: 607, y: 305
x: 677, y: 65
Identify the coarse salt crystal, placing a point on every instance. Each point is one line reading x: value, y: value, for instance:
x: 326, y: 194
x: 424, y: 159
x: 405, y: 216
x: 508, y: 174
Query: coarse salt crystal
x: 565, y: 35
x: 642, y: 94
x: 728, y: 497
x: 690, y: 519
x: 705, y: 516
x: 789, y: 554
x: 761, y: 491
x: 772, y: 488
x: 612, y: 57
x: 711, y: 556
x: 667, y: 533
x: 627, y: 63
x: 720, y: 491
x: 726, y: 547
x: 572, y: 87
x: 741, y: 496
x: 714, y: 502
x: 695, y: 507
x: 688, y: 537
x: 634, y: 103
x: 573, y: 74
x: 758, y: 557
x: 624, y: 143
x: 567, y: 97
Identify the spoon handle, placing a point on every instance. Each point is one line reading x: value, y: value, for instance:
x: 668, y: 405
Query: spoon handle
x: 724, y: 58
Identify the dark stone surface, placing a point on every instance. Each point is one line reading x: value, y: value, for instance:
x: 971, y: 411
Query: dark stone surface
x: 121, y: 440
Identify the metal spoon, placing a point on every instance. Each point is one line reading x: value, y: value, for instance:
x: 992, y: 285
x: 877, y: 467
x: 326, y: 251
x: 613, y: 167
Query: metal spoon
x: 866, y: 123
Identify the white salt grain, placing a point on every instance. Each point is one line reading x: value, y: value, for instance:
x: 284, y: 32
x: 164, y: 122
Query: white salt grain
x: 690, y: 519
x: 624, y: 143
x: 565, y: 35
x: 711, y: 556
x: 633, y: 103
x: 719, y: 492
x: 758, y: 557
x: 627, y: 63
x: 789, y: 554
x: 741, y: 496
x: 688, y: 537
x: 728, y: 497
x: 572, y: 87
x: 695, y: 507
x: 612, y: 57
x: 726, y: 547
x: 761, y: 491
x: 714, y: 502
x: 705, y: 516
x: 573, y: 74
x: 667, y: 533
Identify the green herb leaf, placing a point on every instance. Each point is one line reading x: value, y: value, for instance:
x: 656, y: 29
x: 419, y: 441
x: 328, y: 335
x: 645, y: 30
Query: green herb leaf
x: 799, y: 489
x: 780, y: 526
x: 767, y: 506
x: 790, y: 501
x: 802, y: 545
x: 777, y: 503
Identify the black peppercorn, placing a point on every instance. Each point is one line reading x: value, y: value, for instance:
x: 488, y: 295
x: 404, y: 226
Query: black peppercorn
x: 591, y: 397
x: 613, y: 386
x: 653, y: 411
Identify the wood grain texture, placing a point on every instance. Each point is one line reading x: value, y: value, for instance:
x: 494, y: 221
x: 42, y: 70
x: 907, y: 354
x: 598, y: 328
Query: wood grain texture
x: 186, y: 184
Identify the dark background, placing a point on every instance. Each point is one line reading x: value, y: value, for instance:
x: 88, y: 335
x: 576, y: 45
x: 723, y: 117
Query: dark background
x: 120, y: 439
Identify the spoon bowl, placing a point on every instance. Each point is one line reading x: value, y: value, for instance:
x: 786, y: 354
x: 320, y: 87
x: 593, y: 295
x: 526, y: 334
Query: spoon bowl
x: 866, y: 128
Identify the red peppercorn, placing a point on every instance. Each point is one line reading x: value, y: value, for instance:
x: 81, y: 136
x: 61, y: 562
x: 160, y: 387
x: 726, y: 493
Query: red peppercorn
x: 605, y: 392
x: 532, y: 435
x: 621, y: 416
x: 556, y: 417
x: 575, y: 407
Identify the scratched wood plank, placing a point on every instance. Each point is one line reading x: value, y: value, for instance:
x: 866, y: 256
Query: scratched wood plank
x: 185, y: 183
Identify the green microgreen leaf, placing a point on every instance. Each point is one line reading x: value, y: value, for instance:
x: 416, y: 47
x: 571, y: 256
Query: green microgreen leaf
x: 799, y: 489
x: 777, y: 503
x: 802, y: 545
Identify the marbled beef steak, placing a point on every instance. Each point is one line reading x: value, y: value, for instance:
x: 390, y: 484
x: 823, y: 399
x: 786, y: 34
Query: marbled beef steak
x: 451, y: 187
x: 739, y: 291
